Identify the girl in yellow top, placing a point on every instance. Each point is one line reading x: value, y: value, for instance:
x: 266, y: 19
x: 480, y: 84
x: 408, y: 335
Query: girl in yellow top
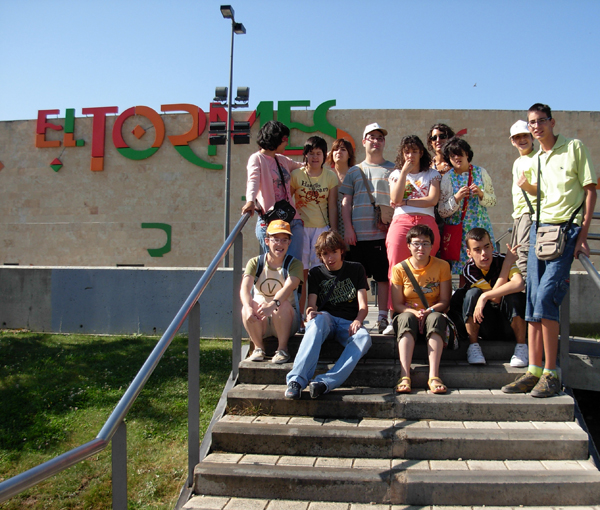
x: 315, y: 193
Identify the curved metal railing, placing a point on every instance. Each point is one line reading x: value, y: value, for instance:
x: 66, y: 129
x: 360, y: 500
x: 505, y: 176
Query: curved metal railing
x: 114, y: 423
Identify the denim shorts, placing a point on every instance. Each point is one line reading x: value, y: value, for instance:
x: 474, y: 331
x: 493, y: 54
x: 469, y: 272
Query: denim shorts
x: 548, y: 280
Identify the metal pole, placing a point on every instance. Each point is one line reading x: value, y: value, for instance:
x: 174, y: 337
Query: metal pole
x: 119, y: 468
x: 236, y: 333
x: 193, y: 391
x: 228, y: 157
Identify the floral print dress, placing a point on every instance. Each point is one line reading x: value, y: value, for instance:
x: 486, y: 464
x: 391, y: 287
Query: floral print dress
x: 476, y: 215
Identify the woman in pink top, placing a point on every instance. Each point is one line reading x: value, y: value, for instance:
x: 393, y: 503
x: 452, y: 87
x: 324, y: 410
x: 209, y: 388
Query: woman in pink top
x: 265, y: 185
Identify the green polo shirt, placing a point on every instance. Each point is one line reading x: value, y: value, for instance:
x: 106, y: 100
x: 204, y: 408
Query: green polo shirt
x: 566, y: 169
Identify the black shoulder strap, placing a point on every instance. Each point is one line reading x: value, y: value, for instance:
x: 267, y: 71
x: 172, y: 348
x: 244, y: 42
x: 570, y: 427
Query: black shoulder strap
x: 287, y: 262
x: 259, y: 266
x: 528, y: 202
x: 415, y: 284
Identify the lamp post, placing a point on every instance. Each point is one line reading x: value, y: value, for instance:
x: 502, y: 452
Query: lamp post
x: 236, y: 28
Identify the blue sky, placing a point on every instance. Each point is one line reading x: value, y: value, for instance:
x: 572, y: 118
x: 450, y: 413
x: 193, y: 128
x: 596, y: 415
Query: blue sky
x: 389, y: 54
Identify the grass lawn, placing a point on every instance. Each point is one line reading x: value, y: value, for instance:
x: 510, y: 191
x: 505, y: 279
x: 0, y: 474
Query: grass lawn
x: 56, y: 391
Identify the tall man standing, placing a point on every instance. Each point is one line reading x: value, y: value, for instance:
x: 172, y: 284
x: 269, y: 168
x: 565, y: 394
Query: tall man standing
x: 567, y: 181
x: 366, y: 241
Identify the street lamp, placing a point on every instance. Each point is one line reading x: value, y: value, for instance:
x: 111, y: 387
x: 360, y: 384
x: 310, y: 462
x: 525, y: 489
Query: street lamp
x: 236, y: 28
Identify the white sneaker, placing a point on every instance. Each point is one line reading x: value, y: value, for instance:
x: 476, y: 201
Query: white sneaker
x: 280, y: 357
x: 520, y: 358
x: 474, y: 355
x: 257, y: 355
x: 389, y: 330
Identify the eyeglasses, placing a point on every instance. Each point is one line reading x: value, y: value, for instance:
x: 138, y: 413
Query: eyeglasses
x: 441, y: 136
x: 535, y: 122
x: 379, y: 139
x: 421, y: 245
x: 278, y: 240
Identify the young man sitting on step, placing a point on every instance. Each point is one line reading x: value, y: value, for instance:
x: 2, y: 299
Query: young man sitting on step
x: 337, y: 306
x: 492, y: 294
x: 273, y: 310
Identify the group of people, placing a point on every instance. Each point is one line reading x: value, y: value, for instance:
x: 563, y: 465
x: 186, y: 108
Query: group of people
x: 327, y: 224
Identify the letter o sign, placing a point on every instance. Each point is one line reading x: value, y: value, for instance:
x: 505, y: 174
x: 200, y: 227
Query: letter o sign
x: 159, y: 132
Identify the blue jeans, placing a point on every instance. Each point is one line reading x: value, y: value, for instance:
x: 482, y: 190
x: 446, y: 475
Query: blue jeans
x: 325, y: 326
x: 548, y: 280
x: 297, y: 244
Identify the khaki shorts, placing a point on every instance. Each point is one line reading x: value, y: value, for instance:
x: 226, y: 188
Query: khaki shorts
x: 408, y: 322
x: 520, y: 235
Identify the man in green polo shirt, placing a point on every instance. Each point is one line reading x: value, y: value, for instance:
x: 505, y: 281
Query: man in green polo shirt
x: 567, y: 181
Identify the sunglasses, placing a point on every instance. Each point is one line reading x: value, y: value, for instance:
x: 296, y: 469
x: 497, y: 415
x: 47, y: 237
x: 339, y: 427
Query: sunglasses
x: 434, y: 138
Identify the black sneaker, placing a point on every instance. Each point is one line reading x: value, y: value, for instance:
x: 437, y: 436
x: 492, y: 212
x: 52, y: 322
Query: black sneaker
x: 294, y: 390
x: 317, y: 389
x: 547, y: 386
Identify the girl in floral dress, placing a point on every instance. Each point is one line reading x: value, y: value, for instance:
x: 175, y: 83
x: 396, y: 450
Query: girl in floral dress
x: 455, y: 189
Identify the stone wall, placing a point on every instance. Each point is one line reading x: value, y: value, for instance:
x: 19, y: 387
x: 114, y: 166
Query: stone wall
x: 76, y: 217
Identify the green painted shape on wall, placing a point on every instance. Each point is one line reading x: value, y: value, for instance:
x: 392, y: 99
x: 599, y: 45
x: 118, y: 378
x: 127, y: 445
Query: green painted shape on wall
x: 70, y: 120
x: 136, y: 155
x: 159, y: 252
x: 79, y: 143
x: 56, y: 168
x: 212, y: 150
x: 264, y: 111
x: 190, y: 155
x: 320, y: 119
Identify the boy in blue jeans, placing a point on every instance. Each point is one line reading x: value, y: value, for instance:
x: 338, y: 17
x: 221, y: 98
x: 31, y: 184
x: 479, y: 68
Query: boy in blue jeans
x: 337, y: 306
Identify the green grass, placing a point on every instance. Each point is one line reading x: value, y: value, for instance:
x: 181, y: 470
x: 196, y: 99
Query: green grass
x: 56, y: 391
x: 585, y: 330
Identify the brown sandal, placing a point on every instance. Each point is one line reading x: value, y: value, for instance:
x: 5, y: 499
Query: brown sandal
x: 436, y: 386
x: 403, y: 385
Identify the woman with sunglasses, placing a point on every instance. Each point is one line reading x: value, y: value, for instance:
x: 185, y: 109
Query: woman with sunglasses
x: 340, y: 159
x: 465, y: 187
x: 269, y: 182
x: 437, y: 137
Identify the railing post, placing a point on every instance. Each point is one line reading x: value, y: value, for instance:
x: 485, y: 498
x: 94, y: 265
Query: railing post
x: 563, y: 350
x: 119, y: 468
x: 193, y: 391
x: 236, y: 330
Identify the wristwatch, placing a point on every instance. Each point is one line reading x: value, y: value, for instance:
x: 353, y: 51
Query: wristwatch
x: 277, y: 303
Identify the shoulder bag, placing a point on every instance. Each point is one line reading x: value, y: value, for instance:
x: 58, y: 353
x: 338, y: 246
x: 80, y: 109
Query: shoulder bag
x: 550, y: 240
x: 283, y: 209
x: 383, y: 213
x: 451, y: 243
x: 451, y: 332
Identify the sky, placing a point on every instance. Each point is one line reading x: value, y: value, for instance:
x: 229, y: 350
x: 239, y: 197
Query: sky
x: 365, y: 54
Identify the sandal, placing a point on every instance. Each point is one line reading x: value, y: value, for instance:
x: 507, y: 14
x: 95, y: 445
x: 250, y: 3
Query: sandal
x: 403, y: 385
x: 436, y: 386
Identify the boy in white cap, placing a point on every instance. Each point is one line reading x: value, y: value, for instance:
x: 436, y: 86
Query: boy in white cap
x: 366, y: 241
x: 273, y: 310
x: 524, y: 191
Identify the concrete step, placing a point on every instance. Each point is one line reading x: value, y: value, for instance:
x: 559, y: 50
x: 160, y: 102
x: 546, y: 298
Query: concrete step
x: 388, y: 439
x: 399, y: 481
x: 385, y: 373
x: 227, y: 503
x: 457, y: 404
x: 385, y: 347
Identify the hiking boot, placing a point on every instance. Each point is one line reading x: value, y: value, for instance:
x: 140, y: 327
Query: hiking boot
x: 382, y: 324
x: 523, y: 384
x: 294, y: 390
x: 317, y: 389
x: 280, y: 357
x: 547, y: 386
x: 474, y: 355
x: 520, y: 358
x: 257, y: 355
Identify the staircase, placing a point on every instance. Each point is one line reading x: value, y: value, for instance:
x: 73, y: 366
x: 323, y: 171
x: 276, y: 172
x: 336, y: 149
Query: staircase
x: 362, y: 446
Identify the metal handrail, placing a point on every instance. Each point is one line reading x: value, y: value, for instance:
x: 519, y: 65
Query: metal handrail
x: 33, y: 476
x: 509, y: 231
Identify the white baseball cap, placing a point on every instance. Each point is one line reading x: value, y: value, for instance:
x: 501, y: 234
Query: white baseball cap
x: 518, y: 128
x: 374, y: 127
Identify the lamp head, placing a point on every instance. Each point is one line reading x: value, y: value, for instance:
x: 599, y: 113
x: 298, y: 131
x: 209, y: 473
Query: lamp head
x: 227, y: 11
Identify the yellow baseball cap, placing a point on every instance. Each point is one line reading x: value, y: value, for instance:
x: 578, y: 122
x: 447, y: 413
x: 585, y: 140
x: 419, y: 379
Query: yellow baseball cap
x: 279, y: 227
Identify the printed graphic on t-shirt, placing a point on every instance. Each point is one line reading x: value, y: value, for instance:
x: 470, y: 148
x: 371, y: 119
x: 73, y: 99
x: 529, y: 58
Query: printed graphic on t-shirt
x: 416, y: 190
x: 310, y: 192
x: 279, y: 188
x: 344, y: 291
x: 269, y: 287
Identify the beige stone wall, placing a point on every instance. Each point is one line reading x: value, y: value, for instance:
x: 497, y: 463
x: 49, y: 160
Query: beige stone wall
x: 79, y: 217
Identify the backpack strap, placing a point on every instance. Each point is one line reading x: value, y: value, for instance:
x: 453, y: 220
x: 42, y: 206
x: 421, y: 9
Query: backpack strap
x: 260, y: 265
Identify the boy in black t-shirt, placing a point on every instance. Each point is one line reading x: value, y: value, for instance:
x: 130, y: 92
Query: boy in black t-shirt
x: 337, y: 306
